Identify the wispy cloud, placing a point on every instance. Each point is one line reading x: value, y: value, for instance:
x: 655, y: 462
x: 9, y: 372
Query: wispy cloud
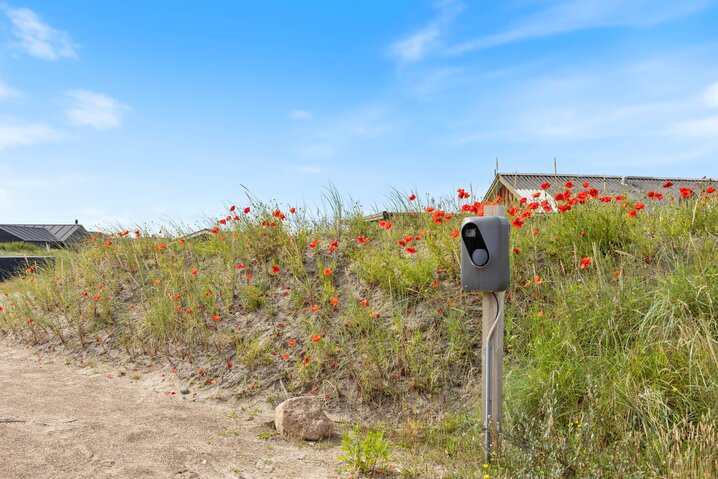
x: 300, y: 115
x: 14, y: 133
x: 567, y: 16
x: 711, y: 95
x: 414, y: 47
x: 36, y: 37
x: 96, y: 110
x: 363, y: 123
x: 7, y: 92
x: 702, y: 127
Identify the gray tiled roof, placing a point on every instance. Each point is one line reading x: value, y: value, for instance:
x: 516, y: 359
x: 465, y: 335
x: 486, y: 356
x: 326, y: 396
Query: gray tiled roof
x: 29, y: 233
x: 52, y: 233
x: 635, y: 186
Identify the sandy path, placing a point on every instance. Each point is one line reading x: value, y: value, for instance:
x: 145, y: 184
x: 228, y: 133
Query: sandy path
x: 59, y: 421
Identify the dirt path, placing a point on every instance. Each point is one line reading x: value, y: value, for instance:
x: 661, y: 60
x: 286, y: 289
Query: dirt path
x: 59, y: 421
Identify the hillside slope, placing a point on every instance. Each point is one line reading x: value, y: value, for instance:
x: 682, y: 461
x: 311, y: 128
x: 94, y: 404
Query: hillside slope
x: 611, y: 336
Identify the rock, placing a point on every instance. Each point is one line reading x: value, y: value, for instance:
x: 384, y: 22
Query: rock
x: 185, y: 391
x: 304, y: 418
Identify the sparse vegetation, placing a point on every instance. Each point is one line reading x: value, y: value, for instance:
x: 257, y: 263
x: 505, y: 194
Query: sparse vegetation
x: 611, y: 335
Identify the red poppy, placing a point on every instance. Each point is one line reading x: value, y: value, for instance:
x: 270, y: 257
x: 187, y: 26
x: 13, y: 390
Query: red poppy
x: 215, y: 318
x: 410, y: 250
x: 412, y: 197
x: 517, y: 251
x: 545, y: 186
x: 316, y: 338
x: 639, y: 206
x: 620, y: 198
x: 685, y: 192
x: 362, y: 240
x: 585, y: 262
x: 518, y: 223
x: 462, y: 193
x: 292, y: 210
x: 307, y: 359
x: 314, y: 308
x: 232, y: 208
x: 455, y: 233
x: 523, y: 200
x: 285, y: 356
x: 585, y: 184
x: 327, y: 271
x: 240, y: 266
x: 334, y: 300
x: 667, y: 184
x: 275, y: 269
x: 208, y: 292
x: 710, y: 190
x: 313, y: 243
x: 536, y: 195
x: 194, y: 272
x: 292, y: 342
x: 333, y: 246
x: 568, y: 185
x: 429, y: 209
x: 632, y: 214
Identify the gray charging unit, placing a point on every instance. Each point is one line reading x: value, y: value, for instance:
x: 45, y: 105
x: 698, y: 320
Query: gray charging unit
x: 485, y: 254
x: 485, y: 267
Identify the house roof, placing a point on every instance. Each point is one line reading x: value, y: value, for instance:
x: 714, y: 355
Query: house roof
x: 525, y: 184
x: 47, y: 233
x: 29, y: 233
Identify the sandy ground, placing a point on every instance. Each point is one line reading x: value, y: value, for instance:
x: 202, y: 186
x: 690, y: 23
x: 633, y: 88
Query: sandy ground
x: 62, y: 421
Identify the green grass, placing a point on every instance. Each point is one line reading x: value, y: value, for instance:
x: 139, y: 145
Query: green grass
x: 19, y: 248
x: 610, y: 370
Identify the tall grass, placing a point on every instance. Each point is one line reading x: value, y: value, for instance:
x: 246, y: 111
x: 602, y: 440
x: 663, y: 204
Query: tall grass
x: 611, y: 369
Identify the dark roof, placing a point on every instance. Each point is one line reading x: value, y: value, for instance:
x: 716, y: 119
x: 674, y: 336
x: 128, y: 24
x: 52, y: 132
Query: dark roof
x: 521, y: 184
x: 49, y: 233
x: 29, y: 233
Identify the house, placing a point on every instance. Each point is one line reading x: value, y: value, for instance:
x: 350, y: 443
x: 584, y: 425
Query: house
x: 511, y: 187
x: 43, y: 235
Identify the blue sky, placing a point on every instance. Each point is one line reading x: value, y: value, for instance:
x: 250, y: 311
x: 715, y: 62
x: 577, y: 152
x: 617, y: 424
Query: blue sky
x: 136, y: 112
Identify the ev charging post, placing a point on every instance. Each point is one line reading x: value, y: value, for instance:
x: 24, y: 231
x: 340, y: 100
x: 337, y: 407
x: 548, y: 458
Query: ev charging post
x: 485, y: 267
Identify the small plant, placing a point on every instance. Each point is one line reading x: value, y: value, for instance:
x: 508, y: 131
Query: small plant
x: 364, y: 454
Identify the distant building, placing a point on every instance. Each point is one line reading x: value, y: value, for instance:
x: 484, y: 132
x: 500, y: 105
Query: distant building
x: 511, y: 187
x: 43, y: 235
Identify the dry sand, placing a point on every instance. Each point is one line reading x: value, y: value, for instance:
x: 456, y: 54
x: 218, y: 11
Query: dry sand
x: 62, y: 421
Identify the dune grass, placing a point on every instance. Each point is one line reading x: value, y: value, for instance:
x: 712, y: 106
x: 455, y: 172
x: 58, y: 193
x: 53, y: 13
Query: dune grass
x: 611, y: 334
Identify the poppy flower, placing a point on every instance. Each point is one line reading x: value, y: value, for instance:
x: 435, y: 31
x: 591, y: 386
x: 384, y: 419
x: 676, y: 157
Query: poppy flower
x: 292, y: 210
x: 632, y: 214
x: 523, y: 200
x: 362, y: 240
x: 333, y: 246
x: 620, y: 198
x: 429, y: 209
x: 108, y: 243
x: 667, y: 184
x: 175, y: 297
x: 585, y: 262
x: 462, y: 193
x: 240, y: 265
x: 215, y: 317
x: 314, y: 308
x: 536, y: 195
x: 412, y: 197
x: 316, y: 338
x: 194, y: 272
x: 232, y: 208
x: 685, y: 192
x: 518, y: 223
x: 410, y: 250
x: 307, y: 359
x: 249, y: 276
x: 334, y: 300
x: 710, y: 190
x: 96, y: 297
x: 208, y: 292
x: 292, y: 342
x: 517, y: 251
x: 314, y: 243
x: 182, y: 241
x: 538, y: 279
x: 639, y: 206
x: 455, y: 233
x: 545, y: 186
x: 585, y: 184
x: 285, y: 356
x: 568, y: 185
x: 275, y: 269
x: 327, y: 271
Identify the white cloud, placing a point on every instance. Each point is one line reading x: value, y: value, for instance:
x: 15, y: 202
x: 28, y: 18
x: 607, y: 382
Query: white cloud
x: 7, y: 92
x: 37, y: 38
x: 414, y: 47
x: 711, y: 95
x: 567, y: 16
x: 300, y: 115
x: 703, y: 127
x: 16, y: 134
x: 96, y: 110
